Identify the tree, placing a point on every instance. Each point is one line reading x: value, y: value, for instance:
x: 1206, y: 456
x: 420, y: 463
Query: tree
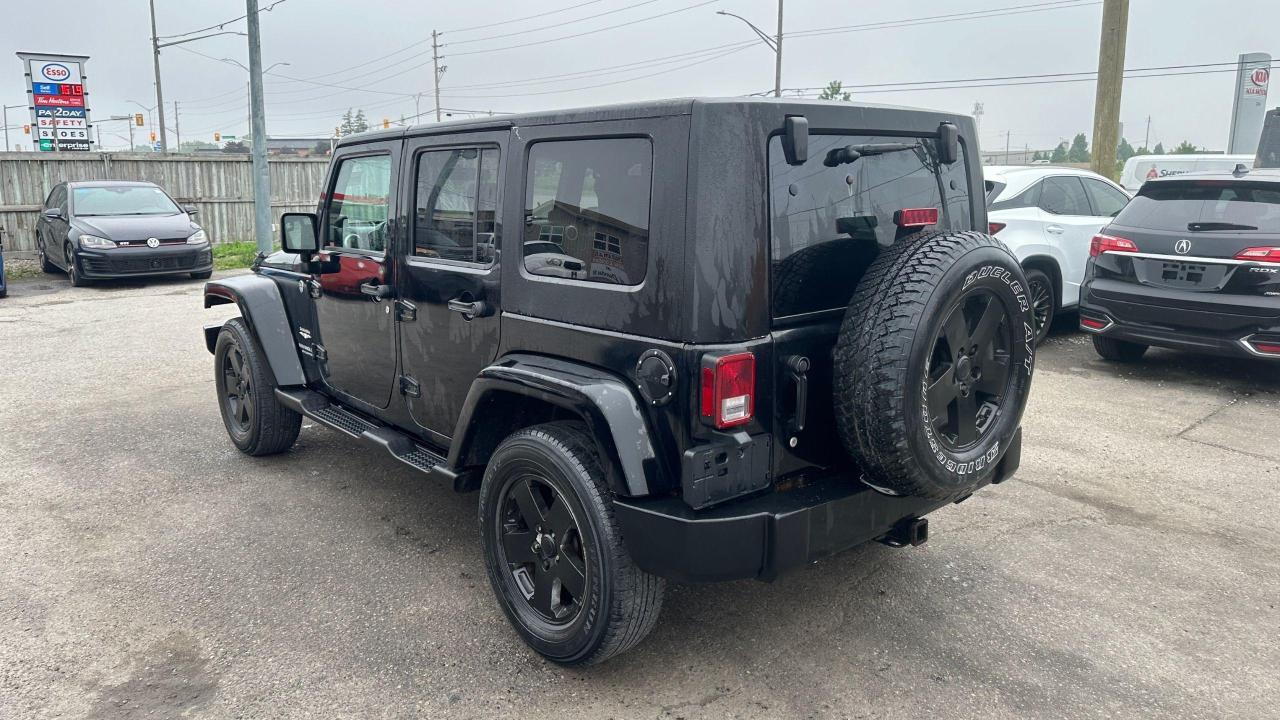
x: 1059, y: 153
x: 348, y: 126
x: 1159, y: 150
x: 194, y: 145
x: 834, y: 91
x: 321, y: 148
x: 1079, y: 152
x: 236, y: 147
x: 359, y: 123
x: 1124, y: 150
x: 1185, y: 148
x: 1038, y: 156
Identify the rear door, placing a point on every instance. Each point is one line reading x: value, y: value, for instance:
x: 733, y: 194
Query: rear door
x: 1070, y: 224
x: 450, y: 300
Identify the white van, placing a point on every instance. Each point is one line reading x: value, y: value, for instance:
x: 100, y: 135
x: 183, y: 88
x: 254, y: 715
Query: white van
x: 1141, y: 168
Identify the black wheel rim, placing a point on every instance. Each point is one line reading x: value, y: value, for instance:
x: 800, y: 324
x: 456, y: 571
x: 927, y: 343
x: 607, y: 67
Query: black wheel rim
x: 540, y: 549
x: 237, y: 389
x: 1041, y: 306
x: 969, y: 370
x: 71, y: 264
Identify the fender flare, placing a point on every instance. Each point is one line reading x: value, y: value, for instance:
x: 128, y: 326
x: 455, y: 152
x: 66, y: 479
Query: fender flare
x: 605, y: 402
x: 263, y: 310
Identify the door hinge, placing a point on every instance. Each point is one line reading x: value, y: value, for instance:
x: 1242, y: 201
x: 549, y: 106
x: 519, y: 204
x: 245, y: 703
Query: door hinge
x: 319, y: 352
x: 410, y: 387
x: 406, y: 311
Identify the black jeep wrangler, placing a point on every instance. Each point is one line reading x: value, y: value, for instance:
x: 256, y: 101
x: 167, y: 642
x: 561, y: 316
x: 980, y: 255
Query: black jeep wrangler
x: 689, y: 339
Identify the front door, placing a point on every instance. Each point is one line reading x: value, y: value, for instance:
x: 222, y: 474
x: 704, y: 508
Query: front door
x: 448, y: 275
x: 354, y: 317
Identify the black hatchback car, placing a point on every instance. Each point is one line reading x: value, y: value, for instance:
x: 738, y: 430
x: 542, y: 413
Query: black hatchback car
x: 116, y: 228
x: 1191, y: 263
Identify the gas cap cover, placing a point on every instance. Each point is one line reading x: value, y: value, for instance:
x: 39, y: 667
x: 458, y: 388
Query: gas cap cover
x: 656, y: 376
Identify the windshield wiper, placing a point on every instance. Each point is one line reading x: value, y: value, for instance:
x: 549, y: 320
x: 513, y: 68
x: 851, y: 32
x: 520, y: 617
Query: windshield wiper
x: 1207, y: 226
x: 850, y: 153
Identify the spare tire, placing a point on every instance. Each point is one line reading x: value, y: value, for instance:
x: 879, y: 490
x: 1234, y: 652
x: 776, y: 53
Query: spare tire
x: 933, y: 364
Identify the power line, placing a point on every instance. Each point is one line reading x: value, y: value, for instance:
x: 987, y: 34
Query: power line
x: 523, y: 31
x: 521, y: 19
x: 222, y: 24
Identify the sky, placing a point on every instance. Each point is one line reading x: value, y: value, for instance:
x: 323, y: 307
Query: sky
x: 375, y: 55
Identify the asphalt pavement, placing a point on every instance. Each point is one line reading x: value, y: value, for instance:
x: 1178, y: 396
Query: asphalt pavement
x: 149, y: 570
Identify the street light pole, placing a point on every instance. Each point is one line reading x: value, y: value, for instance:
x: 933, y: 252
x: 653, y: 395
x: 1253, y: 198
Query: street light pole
x: 774, y: 43
x: 258, y: 118
x: 155, y: 49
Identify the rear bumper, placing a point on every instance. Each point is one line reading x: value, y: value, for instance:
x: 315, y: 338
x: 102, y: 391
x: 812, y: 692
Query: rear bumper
x: 765, y: 536
x: 133, y: 262
x: 1181, y: 320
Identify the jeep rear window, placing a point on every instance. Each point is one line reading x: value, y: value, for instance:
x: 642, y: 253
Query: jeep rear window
x: 587, y: 210
x: 1208, y: 205
x: 828, y: 222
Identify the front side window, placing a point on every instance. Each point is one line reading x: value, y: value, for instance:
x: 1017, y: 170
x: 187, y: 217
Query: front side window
x: 1107, y: 200
x: 360, y: 204
x: 587, y: 210
x: 122, y: 200
x: 1064, y: 196
x: 830, y: 218
x: 455, y: 212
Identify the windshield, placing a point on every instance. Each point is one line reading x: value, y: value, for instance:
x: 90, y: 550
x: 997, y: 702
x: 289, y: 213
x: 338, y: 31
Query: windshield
x: 1207, y: 205
x: 123, y: 200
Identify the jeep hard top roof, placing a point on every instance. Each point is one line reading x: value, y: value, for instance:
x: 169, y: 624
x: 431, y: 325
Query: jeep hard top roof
x: 631, y: 111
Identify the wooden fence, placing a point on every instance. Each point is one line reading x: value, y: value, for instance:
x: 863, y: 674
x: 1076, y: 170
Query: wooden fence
x: 220, y: 187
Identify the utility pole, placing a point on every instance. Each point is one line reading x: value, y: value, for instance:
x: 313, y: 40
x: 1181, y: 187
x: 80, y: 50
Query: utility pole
x: 777, y: 46
x: 177, y: 134
x: 1146, y: 140
x: 155, y: 49
x: 258, y: 118
x: 1008, y: 135
x: 436, y: 69
x: 1106, y: 106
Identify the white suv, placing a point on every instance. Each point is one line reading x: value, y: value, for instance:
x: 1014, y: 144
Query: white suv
x: 1048, y: 215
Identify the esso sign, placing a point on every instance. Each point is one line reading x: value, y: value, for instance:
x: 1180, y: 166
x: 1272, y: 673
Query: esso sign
x: 56, y: 72
x: 1261, y: 76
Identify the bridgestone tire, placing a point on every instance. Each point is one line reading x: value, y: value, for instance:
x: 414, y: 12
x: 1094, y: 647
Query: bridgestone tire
x: 621, y: 603
x: 270, y: 427
x: 1118, y: 350
x: 888, y: 342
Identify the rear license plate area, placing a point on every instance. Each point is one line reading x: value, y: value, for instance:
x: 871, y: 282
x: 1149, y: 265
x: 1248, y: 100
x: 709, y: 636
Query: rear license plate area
x: 1183, y: 273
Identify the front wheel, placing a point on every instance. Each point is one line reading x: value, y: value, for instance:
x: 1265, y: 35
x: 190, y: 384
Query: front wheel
x: 554, y: 552
x: 257, y: 423
x: 202, y: 275
x: 73, y: 271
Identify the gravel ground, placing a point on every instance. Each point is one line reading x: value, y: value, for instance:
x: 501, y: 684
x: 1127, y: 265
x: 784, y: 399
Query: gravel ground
x: 1131, y: 569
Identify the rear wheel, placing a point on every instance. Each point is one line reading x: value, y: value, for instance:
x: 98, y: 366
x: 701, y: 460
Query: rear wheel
x: 1118, y: 350
x: 45, y: 265
x: 554, y: 551
x: 933, y: 363
x: 1044, y: 302
x: 257, y: 423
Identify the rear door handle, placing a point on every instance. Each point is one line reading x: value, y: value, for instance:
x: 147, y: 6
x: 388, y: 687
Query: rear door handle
x: 377, y: 292
x: 1054, y: 229
x: 469, y: 309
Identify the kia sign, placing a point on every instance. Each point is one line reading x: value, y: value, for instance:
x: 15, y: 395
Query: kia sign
x: 58, y: 100
x: 1253, y: 75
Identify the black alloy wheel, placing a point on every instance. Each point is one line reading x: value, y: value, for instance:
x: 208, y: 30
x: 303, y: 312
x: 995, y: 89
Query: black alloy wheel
x: 73, y: 272
x: 1043, y: 303
x: 969, y: 370
x: 237, y: 389
x: 540, y: 546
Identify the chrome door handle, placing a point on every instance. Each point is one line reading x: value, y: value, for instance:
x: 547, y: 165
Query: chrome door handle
x: 467, y: 309
x: 377, y: 292
x: 1054, y: 229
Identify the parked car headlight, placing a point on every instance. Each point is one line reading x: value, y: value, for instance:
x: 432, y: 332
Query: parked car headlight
x: 93, y: 241
x: 198, y: 238
x: 556, y: 262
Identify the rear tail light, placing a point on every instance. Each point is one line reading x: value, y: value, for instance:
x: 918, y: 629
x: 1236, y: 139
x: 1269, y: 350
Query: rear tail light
x: 1267, y: 348
x: 915, y: 217
x: 994, y: 227
x: 1094, y: 323
x: 1110, y: 243
x: 729, y: 389
x: 1260, y: 254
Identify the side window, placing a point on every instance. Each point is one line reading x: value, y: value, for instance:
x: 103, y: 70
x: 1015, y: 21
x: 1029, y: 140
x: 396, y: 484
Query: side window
x: 1107, y: 200
x: 455, y: 207
x: 57, y: 198
x: 587, y: 210
x: 359, y: 204
x: 1064, y: 196
x: 1027, y: 198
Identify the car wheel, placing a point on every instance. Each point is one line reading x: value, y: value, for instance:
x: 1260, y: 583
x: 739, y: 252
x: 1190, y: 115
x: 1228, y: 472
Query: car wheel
x: 1118, y: 350
x: 45, y: 265
x: 202, y: 275
x: 933, y: 364
x: 257, y: 423
x: 1044, y: 302
x: 554, y: 551
x: 73, y: 271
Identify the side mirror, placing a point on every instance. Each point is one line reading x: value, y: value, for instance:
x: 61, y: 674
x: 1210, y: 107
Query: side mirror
x: 795, y: 140
x: 298, y: 234
x: 190, y: 209
x: 53, y: 214
x: 948, y: 143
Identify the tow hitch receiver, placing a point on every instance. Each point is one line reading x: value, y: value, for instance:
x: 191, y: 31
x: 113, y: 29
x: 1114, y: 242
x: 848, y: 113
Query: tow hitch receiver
x: 911, y: 531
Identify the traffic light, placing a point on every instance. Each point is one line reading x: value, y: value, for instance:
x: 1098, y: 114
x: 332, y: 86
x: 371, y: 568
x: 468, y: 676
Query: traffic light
x: 386, y: 123
x: 137, y: 119
x: 153, y: 137
x: 217, y: 137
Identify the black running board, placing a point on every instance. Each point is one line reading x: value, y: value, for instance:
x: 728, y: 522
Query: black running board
x: 402, y: 447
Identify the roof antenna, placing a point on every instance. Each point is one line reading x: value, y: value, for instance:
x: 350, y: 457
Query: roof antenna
x: 1241, y: 170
